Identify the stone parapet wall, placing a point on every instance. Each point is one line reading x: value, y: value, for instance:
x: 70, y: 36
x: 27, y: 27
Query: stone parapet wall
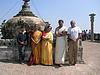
x: 8, y: 42
x: 12, y: 53
x: 9, y: 51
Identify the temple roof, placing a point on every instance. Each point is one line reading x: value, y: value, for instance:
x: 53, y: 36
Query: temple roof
x: 25, y: 18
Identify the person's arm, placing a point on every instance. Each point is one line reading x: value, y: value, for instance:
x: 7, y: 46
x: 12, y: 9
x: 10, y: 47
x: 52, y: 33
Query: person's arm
x: 68, y: 33
x: 18, y: 40
x: 57, y: 33
x: 64, y: 32
x: 49, y: 37
x: 35, y: 41
x: 79, y: 34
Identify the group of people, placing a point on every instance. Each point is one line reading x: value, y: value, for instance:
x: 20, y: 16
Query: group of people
x: 42, y: 44
x: 85, y: 35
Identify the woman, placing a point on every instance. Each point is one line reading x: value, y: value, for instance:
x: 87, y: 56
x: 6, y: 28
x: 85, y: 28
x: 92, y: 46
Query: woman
x: 61, y: 43
x: 36, y: 46
x: 47, y: 40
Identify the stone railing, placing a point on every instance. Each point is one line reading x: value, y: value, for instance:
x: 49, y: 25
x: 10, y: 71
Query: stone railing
x: 9, y: 50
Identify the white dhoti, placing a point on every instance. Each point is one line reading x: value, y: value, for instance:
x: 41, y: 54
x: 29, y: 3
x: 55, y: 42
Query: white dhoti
x: 60, y: 50
x: 61, y: 46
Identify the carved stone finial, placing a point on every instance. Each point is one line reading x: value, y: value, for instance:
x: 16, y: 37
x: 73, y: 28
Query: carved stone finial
x: 26, y: 0
x: 25, y: 9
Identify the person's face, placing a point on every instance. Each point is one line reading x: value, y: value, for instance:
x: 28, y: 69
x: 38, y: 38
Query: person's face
x: 72, y: 24
x: 32, y: 30
x: 23, y: 29
x: 49, y: 29
x: 60, y: 23
x: 36, y: 27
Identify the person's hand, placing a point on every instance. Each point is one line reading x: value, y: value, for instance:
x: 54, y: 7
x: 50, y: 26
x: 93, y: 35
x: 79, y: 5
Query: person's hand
x: 58, y: 35
x: 77, y: 39
x: 43, y: 37
x: 22, y: 43
x: 35, y: 44
x: 64, y: 33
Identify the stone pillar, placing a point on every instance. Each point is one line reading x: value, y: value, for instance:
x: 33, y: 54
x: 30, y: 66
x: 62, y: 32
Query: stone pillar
x: 80, y: 52
x: 92, y: 25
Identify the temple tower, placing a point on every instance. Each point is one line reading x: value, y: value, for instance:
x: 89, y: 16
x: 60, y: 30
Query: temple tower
x: 25, y: 18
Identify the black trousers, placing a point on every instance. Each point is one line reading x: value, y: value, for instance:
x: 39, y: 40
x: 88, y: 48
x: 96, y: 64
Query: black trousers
x: 21, y: 49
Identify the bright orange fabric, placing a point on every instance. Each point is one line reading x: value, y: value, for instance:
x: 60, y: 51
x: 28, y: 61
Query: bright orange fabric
x: 36, y: 47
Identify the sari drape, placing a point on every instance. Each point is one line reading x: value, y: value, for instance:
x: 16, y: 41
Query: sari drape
x: 35, y: 57
x: 47, y: 49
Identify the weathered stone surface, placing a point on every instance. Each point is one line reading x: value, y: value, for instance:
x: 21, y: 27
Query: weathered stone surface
x: 12, y: 53
x: 25, y: 18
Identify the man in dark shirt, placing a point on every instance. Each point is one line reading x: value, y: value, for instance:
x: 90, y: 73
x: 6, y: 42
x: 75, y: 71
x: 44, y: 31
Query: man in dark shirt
x: 22, y: 42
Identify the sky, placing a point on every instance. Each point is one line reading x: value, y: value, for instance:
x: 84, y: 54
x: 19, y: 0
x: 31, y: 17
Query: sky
x: 53, y: 10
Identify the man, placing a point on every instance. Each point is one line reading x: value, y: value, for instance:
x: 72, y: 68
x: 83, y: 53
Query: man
x: 61, y: 46
x: 74, y: 35
x: 22, y: 42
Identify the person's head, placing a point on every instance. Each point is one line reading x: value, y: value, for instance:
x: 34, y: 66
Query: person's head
x: 32, y: 29
x: 48, y: 28
x: 22, y: 30
x: 36, y: 27
x: 60, y: 23
x: 72, y: 23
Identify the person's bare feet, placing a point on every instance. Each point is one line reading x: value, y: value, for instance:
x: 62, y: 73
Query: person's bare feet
x: 60, y: 65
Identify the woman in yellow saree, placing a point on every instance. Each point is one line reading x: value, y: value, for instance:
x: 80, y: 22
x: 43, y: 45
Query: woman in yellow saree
x: 35, y: 57
x: 47, y: 40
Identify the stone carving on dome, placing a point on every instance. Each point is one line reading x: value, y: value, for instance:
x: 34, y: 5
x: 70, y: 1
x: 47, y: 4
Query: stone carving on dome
x: 12, y: 26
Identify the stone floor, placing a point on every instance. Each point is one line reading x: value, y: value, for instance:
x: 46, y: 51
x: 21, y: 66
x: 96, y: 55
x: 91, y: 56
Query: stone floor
x: 91, y: 66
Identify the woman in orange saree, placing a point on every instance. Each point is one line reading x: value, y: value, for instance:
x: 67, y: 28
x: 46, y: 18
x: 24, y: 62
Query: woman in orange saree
x: 35, y: 56
x: 47, y: 40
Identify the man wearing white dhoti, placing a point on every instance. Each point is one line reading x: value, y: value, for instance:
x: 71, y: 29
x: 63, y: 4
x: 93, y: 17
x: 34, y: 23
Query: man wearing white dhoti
x: 61, y: 43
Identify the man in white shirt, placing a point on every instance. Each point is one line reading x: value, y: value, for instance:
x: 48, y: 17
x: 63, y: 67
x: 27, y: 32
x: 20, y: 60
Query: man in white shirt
x: 74, y: 35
